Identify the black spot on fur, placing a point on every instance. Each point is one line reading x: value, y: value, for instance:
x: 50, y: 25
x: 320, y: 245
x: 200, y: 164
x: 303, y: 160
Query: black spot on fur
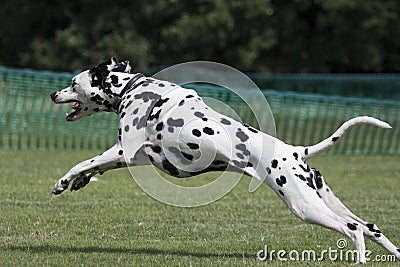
x: 160, y: 126
x: 306, y: 169
x: 301, y: 177
x: 240, y: 164
x: 377, y: 235
x: 189, y: 96
x: 274, y: 163
x: 318, y: 179
x: 352, y: 226
x: 306, y: 151
x: 310, y: 183
x: 192, y: 145
x: 156, y: 148
x: 196, y: 132
x: 186, y: 157
x: 126, y: 128
x: 181, y: 103
x: 208, y: 130
x: 135, y: 121
x: 281, y: 181
x: 296, y: 156
x: 280, y: 192
x: 120, y: 152
x: 225, y: 121
x: 250, y: 128
x: 268, y: 170
x: 175, y: 123
x: 199, y: 114
x: 242, y: 135
x: 161, y: 102
x: 146, y: 96
x: 218, y: 162
x: 334, y: 139
x: 370, y: 227
x: 242, y: 147
x: 153, y: 117
x: 159, y: 136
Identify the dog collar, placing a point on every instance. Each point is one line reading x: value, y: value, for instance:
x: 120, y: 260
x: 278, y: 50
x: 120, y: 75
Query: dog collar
x: 132, y: 84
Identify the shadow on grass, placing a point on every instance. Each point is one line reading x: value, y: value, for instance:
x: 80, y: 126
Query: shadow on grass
x: 47, y: 249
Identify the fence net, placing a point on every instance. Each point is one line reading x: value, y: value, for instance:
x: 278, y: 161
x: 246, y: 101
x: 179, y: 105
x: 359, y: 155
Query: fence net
x: 30, y: 121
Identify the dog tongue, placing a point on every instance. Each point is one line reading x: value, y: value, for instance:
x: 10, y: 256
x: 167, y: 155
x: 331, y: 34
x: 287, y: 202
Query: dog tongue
x: 75, y: 106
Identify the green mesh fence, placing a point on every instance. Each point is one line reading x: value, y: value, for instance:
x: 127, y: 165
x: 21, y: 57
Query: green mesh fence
x: 377, y: 86
x: 29, y: 119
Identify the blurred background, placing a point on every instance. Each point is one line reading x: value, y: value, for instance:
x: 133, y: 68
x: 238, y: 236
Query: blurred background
x: 318, y: 62
x: 297, y: 36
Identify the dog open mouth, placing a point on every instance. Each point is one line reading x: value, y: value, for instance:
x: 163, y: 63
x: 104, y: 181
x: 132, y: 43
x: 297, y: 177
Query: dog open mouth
x: 77, y: 106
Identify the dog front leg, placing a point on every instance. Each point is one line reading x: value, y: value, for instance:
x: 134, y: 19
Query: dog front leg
x: 110, y: 159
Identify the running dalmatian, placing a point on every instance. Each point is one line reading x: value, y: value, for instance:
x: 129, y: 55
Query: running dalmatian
x: 173, y: 144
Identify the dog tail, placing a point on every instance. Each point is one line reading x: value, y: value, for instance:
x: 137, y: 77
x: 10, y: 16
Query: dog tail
x: 312, y: 151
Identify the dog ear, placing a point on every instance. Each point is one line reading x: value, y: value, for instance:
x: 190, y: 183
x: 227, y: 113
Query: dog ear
x: 114, y: 61
x: 110, y: 64
x: 124, y: 66
x: 99, y: 73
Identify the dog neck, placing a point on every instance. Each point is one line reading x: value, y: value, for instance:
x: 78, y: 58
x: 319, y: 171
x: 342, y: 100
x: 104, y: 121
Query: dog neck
x: 132, y: 84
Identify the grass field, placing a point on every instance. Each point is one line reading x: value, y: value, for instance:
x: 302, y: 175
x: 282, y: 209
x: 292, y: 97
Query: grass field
x: 113, y: 223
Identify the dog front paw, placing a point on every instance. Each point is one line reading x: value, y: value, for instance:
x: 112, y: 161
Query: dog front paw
x: 60, y: 186
x: 80, y: 182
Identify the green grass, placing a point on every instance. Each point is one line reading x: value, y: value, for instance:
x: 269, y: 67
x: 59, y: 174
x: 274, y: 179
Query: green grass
x: 113, y: 223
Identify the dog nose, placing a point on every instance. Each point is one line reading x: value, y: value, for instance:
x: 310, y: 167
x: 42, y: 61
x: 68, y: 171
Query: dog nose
x: 53, y: 96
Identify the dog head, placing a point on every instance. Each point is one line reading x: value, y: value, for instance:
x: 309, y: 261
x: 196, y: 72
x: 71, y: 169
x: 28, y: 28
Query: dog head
x: 96, y: 89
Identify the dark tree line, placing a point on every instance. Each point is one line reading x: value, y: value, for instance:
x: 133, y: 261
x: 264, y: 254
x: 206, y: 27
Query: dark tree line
x: 252, y: 35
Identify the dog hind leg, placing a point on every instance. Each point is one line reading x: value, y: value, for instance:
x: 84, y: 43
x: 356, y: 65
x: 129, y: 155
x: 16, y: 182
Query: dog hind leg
x: 370, y: 230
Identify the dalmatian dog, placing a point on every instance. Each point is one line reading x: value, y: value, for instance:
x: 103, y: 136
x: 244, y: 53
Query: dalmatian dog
x: 113, y: 87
